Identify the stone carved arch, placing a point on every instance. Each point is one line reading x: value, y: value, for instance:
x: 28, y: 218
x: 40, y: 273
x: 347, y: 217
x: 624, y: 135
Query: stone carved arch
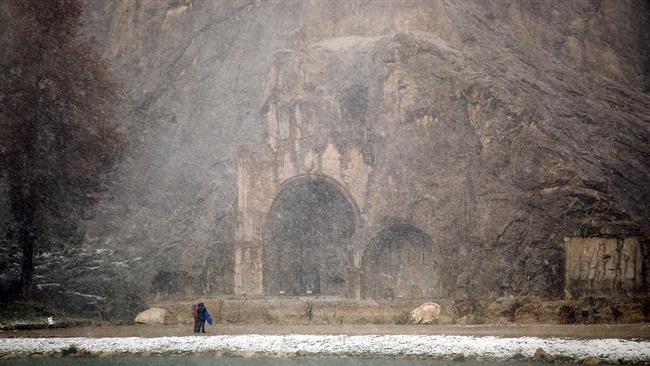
x: 297, y: 179
x: 306, y: 237
x: 399, y: 262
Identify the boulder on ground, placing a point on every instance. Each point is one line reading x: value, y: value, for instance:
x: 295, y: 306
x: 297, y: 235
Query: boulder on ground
x: 427, y: 313
x: 153, y: 316
x: 541, y: 355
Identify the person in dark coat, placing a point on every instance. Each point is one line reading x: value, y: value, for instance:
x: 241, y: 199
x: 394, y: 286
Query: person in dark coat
x: 201, y: 315
x: 195, y: 316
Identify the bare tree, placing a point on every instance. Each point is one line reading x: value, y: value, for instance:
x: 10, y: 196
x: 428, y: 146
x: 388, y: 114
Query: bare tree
x: 58, y: 136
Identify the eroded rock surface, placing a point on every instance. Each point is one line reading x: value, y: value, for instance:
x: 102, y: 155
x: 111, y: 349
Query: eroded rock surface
x: 495, y: 129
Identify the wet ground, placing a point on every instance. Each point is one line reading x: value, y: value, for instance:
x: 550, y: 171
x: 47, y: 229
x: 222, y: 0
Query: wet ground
x: 624, y: 331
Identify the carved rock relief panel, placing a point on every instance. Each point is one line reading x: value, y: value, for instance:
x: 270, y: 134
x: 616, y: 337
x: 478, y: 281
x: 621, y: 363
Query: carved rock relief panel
x: 600, y: 265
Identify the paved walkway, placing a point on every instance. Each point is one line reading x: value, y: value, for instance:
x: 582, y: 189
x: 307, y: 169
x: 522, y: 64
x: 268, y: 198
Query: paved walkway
x: 624, y: 331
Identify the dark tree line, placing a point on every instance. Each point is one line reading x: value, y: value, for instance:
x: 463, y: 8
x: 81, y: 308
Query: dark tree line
x: 59, y: 139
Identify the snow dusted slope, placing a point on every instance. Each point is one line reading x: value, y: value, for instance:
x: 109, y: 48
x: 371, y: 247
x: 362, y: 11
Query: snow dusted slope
x: 491, y: 348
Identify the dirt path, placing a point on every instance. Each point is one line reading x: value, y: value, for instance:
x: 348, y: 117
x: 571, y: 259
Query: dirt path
x: 628, y: 331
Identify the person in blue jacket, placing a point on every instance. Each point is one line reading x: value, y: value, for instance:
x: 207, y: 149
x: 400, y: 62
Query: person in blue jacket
x: 201, y: 315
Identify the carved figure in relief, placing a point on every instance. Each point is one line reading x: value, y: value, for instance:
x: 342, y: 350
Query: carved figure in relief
x: 628, y: 261
x: 601, y: 263
x: 593, y: 265
x: 611, y: 262
x: 584, y: 263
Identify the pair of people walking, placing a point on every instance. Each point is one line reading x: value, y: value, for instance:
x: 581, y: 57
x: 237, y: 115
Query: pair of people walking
x: 201, y: 315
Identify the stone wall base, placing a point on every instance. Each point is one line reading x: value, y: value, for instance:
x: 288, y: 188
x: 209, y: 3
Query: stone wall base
x: 522, y: 310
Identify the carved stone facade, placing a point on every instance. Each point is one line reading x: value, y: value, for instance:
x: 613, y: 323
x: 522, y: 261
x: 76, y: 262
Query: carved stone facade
x: 266, y: 188
x: 317, y: 142
x: 381, y: 173
x: 603, y: 265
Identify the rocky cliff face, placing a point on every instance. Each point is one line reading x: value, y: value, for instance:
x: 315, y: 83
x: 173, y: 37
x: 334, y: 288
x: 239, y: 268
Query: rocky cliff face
x: 499, y: 127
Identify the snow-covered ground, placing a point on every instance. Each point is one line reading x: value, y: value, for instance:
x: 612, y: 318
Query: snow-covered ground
x: 429, y: 346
